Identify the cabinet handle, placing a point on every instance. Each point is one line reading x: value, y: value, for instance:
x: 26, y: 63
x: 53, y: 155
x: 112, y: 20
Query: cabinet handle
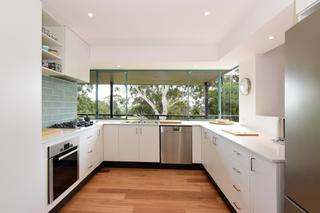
x: 89, y: 137
x: 90, y: 166
x: 136, y: 130
x: 236, y: 188
x: 236, y: 205
x: 237, y: 153
x: 140, y: 130
x: 90, y: 151
x: 236, y: 170
x: 205, y: 135
x: 214, y: 140
x: 251, y: 166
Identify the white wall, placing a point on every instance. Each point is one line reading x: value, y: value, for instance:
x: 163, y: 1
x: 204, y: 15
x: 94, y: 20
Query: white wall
x: 21, y: 158
x: 270, y: 78
x: 253, y: 22
x: 104, y: 57
x: 247, y: 104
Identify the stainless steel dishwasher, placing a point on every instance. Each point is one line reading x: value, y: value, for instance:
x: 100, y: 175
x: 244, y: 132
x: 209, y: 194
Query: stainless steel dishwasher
x: 176, y: 144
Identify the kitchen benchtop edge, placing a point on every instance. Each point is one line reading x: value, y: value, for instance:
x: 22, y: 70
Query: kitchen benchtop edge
x: 261, y: 145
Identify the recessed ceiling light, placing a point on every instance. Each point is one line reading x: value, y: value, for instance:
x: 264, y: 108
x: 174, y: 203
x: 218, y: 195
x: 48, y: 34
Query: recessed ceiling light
x: 90, y: 15
x: 118, y: 66
x: 271, y: 37
x: 206, y: 13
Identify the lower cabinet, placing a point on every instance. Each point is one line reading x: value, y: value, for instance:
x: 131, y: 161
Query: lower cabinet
x: 110, y: 142
x: 128, y: 143
x: 91, y: 151
x: 250, y: 183
x: 149, y: 146
x: 131, y: 143
x: 196, y: 144
x: 265, y: 181
x: 99, y: 146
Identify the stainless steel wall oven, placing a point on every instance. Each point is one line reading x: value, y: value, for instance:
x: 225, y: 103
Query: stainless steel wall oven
x: 63, y: 167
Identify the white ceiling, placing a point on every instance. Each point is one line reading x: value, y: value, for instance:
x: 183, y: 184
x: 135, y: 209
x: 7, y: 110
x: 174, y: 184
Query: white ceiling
x: 151, y: 22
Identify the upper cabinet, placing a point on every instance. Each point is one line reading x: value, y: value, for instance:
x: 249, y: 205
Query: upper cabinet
x: 305, y: 7
x: 64, y: 54
x: 77, y: 54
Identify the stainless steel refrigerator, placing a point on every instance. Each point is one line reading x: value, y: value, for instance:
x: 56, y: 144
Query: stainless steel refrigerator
x: 302, y: 112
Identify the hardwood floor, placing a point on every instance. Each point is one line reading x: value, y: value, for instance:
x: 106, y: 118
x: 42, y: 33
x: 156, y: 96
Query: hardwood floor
x: 119, y: 190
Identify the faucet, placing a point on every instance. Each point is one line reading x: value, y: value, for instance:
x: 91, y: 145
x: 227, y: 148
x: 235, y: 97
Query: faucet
x: 140, y: 117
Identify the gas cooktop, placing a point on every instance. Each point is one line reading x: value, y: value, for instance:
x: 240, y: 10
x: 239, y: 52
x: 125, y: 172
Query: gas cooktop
x: 73, y: 124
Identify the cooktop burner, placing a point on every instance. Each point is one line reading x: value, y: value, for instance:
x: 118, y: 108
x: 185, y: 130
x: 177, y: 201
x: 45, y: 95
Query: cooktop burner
x: 73, y: 124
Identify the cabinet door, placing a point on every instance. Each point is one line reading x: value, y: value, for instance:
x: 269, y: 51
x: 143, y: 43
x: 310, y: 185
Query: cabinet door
x: 149, y: 144
x: 86, y: 155
x: 99, y: 147
x: 204, y: 148
x: 196, y: 144
x: 129, y: 143
x: 110, y: 142
x: 265, y: 181
x: 213, y: 158
x: 77, y: 56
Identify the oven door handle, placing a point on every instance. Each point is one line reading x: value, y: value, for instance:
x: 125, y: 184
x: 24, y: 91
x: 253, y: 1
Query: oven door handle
x: 68, y: 154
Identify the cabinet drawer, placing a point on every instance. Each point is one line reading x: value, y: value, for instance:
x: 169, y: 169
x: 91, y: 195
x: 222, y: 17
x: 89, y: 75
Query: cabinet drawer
x: 239, y: 198
x: 239, y: 173
x: 89, y: 166
x: 240, y: 155
x: 240, y: 192
x: 90, y: 135
x: 239, y: 205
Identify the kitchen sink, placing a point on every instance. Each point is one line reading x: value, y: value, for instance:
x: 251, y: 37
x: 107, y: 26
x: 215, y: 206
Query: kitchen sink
x: 141, y: 122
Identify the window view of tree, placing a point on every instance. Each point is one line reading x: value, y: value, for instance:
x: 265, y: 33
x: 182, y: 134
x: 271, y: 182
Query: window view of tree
x: 230, y: 95
x: 103, y: 101
x: 163, y: 101
x: 158, y: 100
x: 197, y: 101
x: 119, y: 101
x: 86, y: 99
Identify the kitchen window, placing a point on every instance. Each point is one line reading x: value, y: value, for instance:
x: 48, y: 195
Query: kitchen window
x: 160, y: 94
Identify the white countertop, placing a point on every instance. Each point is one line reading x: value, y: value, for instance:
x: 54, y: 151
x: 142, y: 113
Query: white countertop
x: 64, y: 133
x: 261, y: 145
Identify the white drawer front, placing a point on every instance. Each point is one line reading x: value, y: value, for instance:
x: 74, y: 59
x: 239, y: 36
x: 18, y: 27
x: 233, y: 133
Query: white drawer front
x: 241, y: 193
x: 240, y: 155
x: 90, y: 135
x: 240, y: 174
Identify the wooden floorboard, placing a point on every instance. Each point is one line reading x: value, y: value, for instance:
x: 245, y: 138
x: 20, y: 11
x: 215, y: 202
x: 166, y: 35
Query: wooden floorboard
x: 122, y: 190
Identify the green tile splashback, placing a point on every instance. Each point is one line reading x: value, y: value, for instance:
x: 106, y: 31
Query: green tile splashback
x: 59, y: 101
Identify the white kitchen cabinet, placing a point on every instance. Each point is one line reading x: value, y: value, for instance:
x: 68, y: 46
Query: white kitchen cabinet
x: 149, y: 144
x: 196, y: 144
x: 128, y: 143
x: 304, y: 5
x: 87, y: 158
x: 204, y: 148
x: 99, y: 147
x: 131, y: 143
x: 250, y: 183
x: 266, y: 185
x: 77, y: 56
x: 211, y: 156
x: 110, y: 142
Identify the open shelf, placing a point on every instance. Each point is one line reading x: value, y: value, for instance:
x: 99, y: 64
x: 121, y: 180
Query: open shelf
x: 52, y: 73
x: 49, y: 56
x: 46, y: 40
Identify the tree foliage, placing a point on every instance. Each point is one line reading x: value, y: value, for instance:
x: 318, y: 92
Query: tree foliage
x: 164, y: 99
